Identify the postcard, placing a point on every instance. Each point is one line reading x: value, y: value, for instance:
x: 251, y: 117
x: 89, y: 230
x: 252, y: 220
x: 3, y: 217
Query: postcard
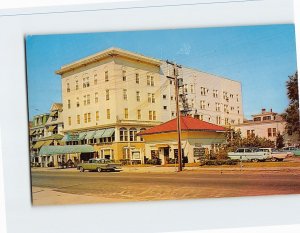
x: 163, y: 114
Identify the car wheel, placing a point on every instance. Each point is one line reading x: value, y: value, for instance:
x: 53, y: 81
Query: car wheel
x: 81, y: 169
x: 99, y: 169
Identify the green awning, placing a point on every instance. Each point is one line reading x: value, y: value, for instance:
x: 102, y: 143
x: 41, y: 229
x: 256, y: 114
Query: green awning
x: 53, y: 113
x: 81, y: 135
x: 90, y: 135
x: 51, y: 128
x: 108, y: 133
x: 69, y: 149
x: 99, y: 133
x: 47, y: 143
x: 32, y: 132
x: 38, y: 144
x: 65, y: 138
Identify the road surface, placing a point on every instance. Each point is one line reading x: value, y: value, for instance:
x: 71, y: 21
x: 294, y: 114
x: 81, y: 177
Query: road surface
x: 54, y: 187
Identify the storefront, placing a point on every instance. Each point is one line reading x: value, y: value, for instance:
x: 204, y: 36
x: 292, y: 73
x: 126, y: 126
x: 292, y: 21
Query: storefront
x: 198, y: 139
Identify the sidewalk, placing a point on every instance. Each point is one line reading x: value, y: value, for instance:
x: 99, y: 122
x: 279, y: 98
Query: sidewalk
x: 160, y: 169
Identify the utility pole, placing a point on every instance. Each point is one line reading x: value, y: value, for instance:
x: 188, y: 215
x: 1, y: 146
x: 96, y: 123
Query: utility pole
x: 175, y: 78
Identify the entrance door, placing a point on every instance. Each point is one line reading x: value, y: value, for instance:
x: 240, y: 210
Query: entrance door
x: 166, y: 155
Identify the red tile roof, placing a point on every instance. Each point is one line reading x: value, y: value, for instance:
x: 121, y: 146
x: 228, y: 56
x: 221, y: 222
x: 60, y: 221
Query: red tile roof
x: 188, y: 123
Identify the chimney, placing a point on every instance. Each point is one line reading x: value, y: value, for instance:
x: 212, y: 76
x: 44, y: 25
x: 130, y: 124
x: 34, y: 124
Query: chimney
x: 263, y: 110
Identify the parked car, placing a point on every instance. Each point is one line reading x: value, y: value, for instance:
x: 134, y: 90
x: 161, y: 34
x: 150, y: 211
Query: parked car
x: 99, y: 165
x: 275, y: 155
x: 292, y: 150
x: 248, y: 154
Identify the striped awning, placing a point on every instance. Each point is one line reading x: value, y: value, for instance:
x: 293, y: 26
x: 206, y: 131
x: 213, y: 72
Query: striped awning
x: 108, y: 133
x: 99, y: 133
x: 38, y: 144
x: 52, y: 127
x: 53, y: 113
x: 90, y: 135
x: 81, y: 135
x: 69, y: 149
x: 32, y: 132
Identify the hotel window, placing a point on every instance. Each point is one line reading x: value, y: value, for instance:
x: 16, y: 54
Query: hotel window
x: 107, y: 94
x: 89, y: 117
x: 126, y: 113
x: 172, y: 97
x: 226, y: 108
x: 152, y: 81
x: 232, y: 122
x: 132, y: 134
x: 68, y: 87
x: 148, y: 80
x: 201, y: 117
x: 274, y: 132
x: 88, y: 100
x: 137, y: 78
x: 77, y: 102
x: 150, y: 116
x: 218, y: 107
x: 76, y: 85
x: 138, y: 97
x: 69, y: 121
x: 84, y: 100
x: 69, y: 104
x: 164, y: 97
x: 203, y: 91
x: 173, y: 114
x: 96, y: 97
x: 78, y: 119
x: 85, y: 118
x: 139, y: 114
x: 83, y: 83
x: 171, y: 82
x: 149, y: 97
x: 123, y: 135
x: 87, y: 82
x: 95, y: 79
x: 237, y: 98
x: 207, y: 105
x: 106, y: 76
x: 165, y: 107
x: 108, y: 113
x: 269, y: 132
x: 125, y: 94
x: 97, y: 116
x: 192, y: 89
x: 215, y: 93
x: 218, y: 121
x: 202, y: 104
x: 226, y: 121
x: 154, y: 115
x: 153, y: 98
x: 124, y: 75
x: 141, y: 130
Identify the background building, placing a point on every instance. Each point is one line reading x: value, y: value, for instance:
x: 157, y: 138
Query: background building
x: 110, y: 96
x: 267, y: 124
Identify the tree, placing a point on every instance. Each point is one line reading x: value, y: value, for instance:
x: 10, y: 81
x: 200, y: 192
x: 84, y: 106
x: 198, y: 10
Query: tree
x: 291, y: 114
x: 279, y: 141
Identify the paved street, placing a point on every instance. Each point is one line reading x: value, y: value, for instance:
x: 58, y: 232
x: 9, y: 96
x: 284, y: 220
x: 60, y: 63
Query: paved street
x: 70, y: 187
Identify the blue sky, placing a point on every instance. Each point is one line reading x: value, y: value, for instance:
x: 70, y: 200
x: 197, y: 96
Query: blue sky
x: 260, y: 57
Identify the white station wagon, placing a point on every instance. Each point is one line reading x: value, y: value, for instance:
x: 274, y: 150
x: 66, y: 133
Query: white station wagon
x: 248, y: 154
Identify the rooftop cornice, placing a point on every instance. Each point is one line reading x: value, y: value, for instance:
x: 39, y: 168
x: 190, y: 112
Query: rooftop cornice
x: 111, y: 52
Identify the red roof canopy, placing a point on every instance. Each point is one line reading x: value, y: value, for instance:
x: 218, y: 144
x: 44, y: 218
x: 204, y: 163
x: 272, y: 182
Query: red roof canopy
x: 188, y: 123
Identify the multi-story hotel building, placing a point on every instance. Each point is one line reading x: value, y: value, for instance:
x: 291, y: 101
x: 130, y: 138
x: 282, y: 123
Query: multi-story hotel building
x: 110, y: 96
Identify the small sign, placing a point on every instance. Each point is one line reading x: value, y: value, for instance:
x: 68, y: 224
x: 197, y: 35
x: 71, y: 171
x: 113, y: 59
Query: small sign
x: 199, y: 152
